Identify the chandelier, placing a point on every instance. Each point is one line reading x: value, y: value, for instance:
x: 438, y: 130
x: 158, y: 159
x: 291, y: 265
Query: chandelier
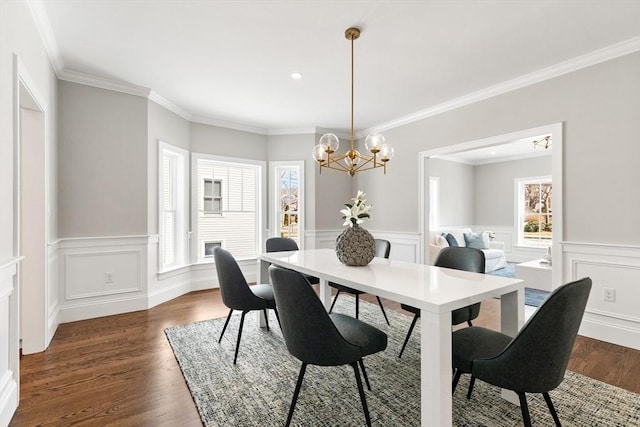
x: 544, y: 142
x: 352, y: 161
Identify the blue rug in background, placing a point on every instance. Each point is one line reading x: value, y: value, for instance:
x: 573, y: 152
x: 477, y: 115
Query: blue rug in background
x: 532, y: 297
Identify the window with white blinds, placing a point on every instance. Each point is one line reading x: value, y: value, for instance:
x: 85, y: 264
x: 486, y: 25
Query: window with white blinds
x: 173, y: 193
x: 227, y: 210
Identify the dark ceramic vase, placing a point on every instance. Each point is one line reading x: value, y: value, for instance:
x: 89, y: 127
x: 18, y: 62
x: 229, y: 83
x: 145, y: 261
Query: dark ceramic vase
x: 355, y: 246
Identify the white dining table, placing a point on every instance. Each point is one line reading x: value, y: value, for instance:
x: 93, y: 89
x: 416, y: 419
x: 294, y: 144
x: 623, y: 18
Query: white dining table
x: 435, y: 290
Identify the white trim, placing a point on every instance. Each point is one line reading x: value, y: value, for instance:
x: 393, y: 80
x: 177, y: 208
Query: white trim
x: 228, y: 124
x: 103, y: 83
x: 593, y: 58
x: 164, y: 102
x: 556, y: 131
x: 39, y: 14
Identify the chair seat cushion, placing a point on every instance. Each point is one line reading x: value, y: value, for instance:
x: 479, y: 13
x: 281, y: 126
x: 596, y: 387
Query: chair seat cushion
x: 346, y: 289
x: 368, y: 338
x: 475, y: 342
x: 264, y: 292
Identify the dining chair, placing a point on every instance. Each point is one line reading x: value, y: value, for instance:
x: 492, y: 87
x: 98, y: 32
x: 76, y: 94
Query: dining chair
x: 457, y: 258
x: 317, y: 338
x: 281, y: 244
x: 238, y: 295
x: 382, y: 250
x: 535, y: 360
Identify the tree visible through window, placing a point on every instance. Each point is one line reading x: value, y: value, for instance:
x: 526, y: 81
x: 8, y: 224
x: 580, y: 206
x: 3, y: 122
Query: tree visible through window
x: 535, y: 211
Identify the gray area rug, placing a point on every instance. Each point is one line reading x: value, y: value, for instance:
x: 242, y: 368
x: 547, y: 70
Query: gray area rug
x: 257, y: 391
x: 532, y: 297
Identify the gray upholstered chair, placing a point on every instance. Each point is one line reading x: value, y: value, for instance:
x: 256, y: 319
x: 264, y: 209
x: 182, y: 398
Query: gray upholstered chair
x: 238, y: 295
x: 535, y: 360
x: 458, y: 258
x: 383, y: 248
x: 317, y: 338
x: 281, y: 244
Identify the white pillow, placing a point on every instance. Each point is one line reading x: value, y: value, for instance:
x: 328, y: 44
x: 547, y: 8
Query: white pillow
x: 441, y: 241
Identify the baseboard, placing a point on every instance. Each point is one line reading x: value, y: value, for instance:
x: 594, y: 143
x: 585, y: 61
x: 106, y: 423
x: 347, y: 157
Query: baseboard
x: 610, y: 332
x: 89, y: 310
x: 8, y: 398
x: 168, y: 293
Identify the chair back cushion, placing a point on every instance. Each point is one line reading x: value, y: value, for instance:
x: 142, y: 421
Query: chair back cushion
x: 383, y: 248
x: 233, y: 286
x: 308, y: 332
x: 536, y: 360
x: 461, y: 258
x: 280, y: 244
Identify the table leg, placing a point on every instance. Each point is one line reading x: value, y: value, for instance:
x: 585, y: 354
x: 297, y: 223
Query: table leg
x: 325, y: 293
x: 435, y: 365
x: 263, y: 277
x: 511, y: 320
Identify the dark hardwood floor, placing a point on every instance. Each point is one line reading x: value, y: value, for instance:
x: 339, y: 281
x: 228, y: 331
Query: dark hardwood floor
x: 120, y: 370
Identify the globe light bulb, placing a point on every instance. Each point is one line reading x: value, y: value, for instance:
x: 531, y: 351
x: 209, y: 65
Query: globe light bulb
x: 330, y: 142
x: 373, y: 142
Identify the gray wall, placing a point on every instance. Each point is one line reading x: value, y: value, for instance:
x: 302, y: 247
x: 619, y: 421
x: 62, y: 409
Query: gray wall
x: 165, y: 126
x: 208, y: 139
x: 599, y: 106
x: 102, y: 162
x: 494, y: 188
x: 457, y: 192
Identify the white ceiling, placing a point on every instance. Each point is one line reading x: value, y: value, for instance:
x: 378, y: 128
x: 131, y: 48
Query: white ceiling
x: 231, y: 60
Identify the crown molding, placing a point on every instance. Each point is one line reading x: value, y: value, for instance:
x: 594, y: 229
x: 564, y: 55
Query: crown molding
x: 593, y: 58
x: 229, y: 124
x: 103, y: 83
x: 41, y: 19
x: 164, y: 102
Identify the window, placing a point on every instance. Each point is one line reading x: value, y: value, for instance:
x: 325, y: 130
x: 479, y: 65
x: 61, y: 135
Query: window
x: 535, y: 211
x: 173, y: 192
x: 210, y: 246
x: 287, y: 195
x: 227, y: 206
x: 212, y: 196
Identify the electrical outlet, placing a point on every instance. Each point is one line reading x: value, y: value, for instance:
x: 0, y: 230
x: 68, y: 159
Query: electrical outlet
x: 108, y: 277
x: 609, y: 294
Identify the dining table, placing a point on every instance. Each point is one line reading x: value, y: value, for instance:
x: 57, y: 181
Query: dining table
x: 436, y: 291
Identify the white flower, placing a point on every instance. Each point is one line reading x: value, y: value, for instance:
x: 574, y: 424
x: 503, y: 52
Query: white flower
x: 356, y: 212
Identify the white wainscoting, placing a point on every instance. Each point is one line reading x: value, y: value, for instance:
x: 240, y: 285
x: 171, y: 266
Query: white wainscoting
x: 53, y: 314
x: 9, y: 341
x: 101, y: 276
x: 614, y: 267
x: 404, y: 245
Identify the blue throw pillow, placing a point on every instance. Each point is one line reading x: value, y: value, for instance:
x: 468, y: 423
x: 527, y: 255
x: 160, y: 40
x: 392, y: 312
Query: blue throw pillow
x: 451, y: 240
x: 475, y: 240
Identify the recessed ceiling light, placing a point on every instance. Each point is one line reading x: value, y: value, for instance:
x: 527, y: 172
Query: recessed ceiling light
x: 297, y: 75
x: 493, y: 153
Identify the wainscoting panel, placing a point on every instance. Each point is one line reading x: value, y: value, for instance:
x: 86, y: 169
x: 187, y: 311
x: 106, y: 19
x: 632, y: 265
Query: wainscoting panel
x: 52, y: 294
x: 615, y: 270
x: 102, y: 276
x: 9, y: 344
x: 404, y: 246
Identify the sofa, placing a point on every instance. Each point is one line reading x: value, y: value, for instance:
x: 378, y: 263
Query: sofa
x: 493, y: 251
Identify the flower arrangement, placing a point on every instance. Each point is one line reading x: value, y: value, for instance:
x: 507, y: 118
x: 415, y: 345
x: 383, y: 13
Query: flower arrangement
x: 356, y: 212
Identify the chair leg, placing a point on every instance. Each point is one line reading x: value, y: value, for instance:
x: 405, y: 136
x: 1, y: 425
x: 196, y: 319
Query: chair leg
x: 406, y: 340
x: 224, y: 328
x: 275, y: 310
x: 266, y: 318
x: 554, y: 414
x: 357, y: 305
x: 382, y: 308
x: 363, y: 399
x: 235, y: 357
x: 364, y: 374
x: 334, y: 301
x: 525, y: 409
x: 456, y: 378
x: 303, y: 368
x: 472, y: 381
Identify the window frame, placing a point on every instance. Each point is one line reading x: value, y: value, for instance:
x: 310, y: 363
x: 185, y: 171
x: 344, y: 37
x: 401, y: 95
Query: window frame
x: 180, y: 196
x: 195, y: 212
x: 275, y: 169
x: 520, y: 213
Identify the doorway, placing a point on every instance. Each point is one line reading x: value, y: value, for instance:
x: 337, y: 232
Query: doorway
x: 556, y: 133
x: 30, y: 238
